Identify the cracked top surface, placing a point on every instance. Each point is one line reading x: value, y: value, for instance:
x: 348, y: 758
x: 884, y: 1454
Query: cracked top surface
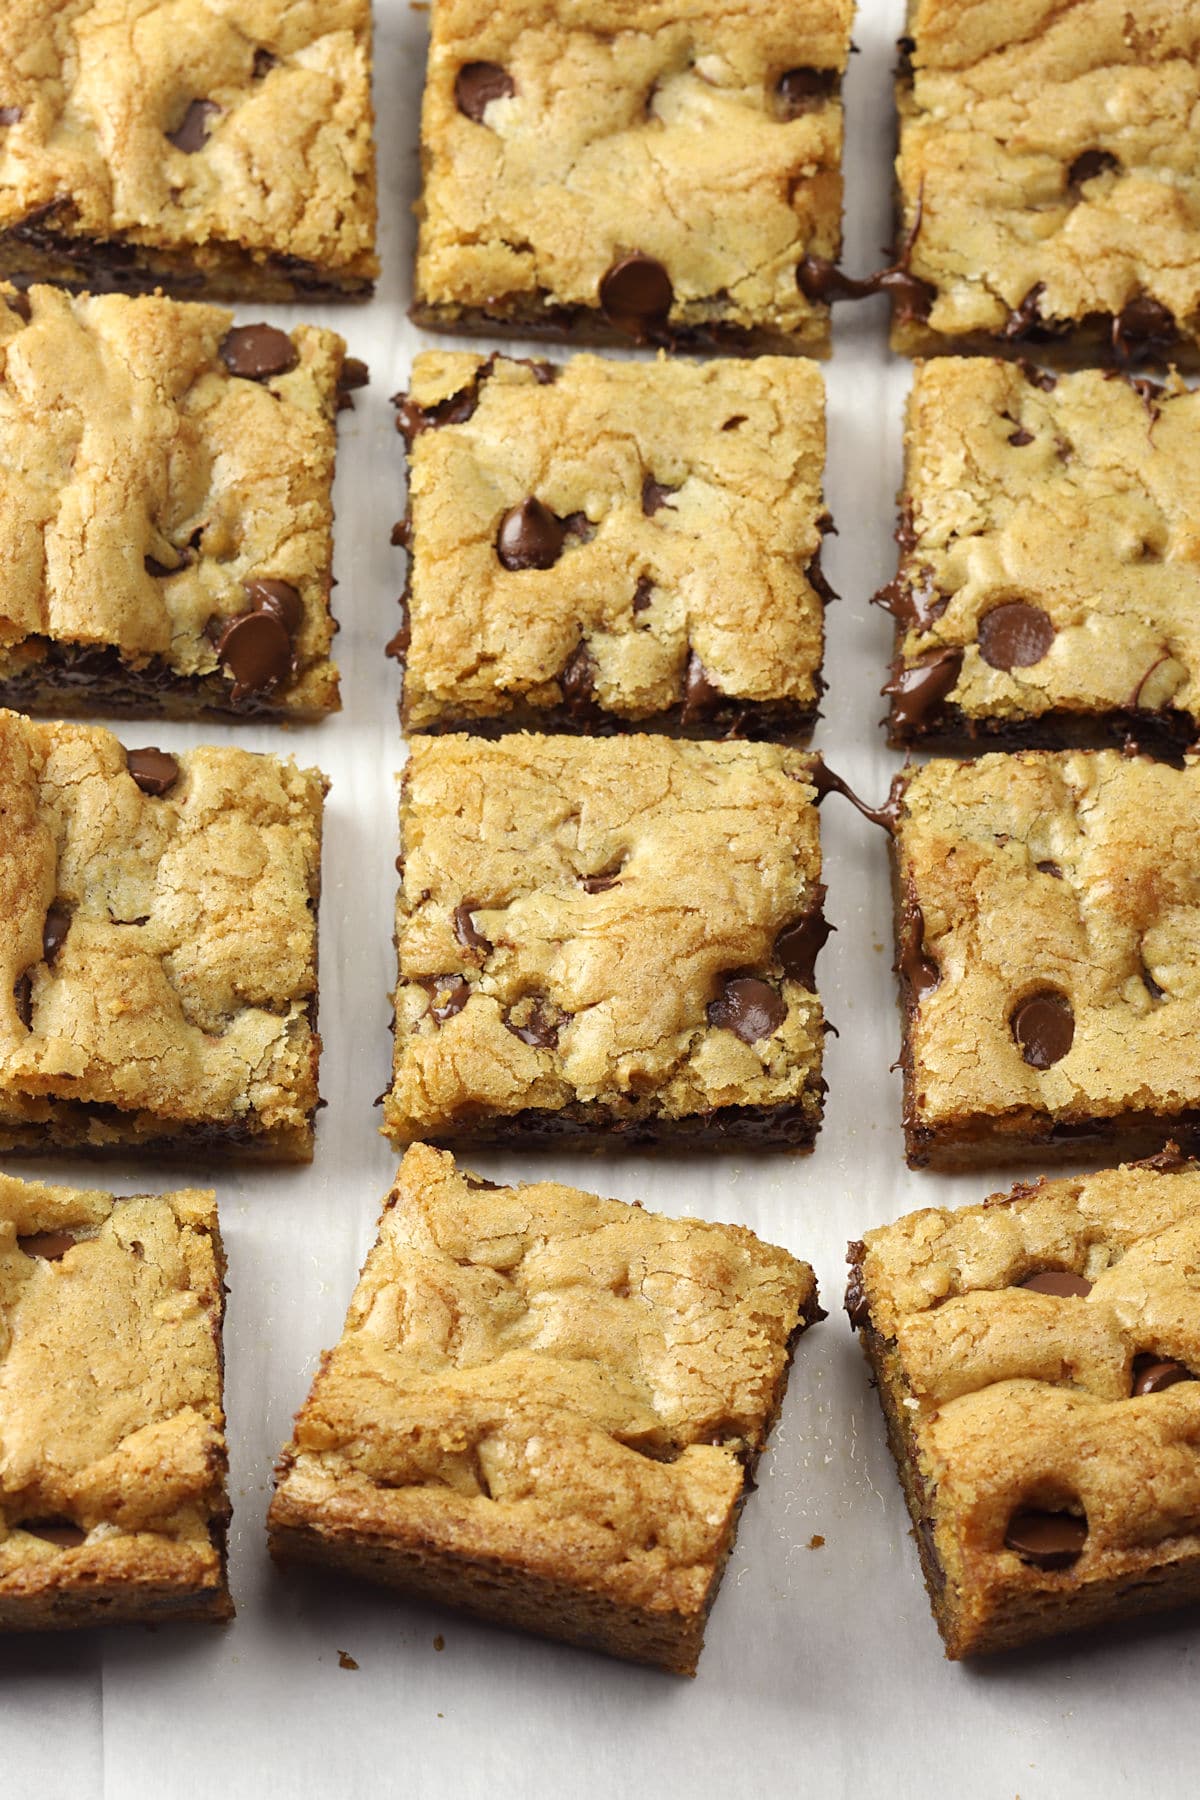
x: 286, y: 165
x: 1024, y: 1399
x: 1074, y: 875
x: 566, y: 1382
x: 1082, y: 501
x: 143, y: 484
x: 110, y: 1385
x: 716, y: 566
x: 613, y: 886
x: 181, y: 992
x: 1004, y: 101
x: 633, y: 126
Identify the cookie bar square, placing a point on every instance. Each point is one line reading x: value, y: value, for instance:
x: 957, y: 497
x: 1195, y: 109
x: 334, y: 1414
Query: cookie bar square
x: 632, y: 172
x: 1048, y: 590
x: 1048, y: 905
x: 609, y: 546
x: 166, y: 512
x: 1038, y: 1363
x: 546, y: 1408
x: 113, y: 1505
x: 218, y: 152
x: 1049, y: 178
x: 158, y: 943
x: 607, y: 938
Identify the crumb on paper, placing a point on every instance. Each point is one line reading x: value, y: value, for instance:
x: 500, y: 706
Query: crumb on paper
x: 816, y: 1541
x: 345, y: 1660
x: 439, y: 1643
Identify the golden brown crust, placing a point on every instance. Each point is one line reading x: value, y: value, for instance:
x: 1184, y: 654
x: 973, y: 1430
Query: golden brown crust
x: 113, y: 1463
x: 616, y: 885
x: 717, y: 567
x: 1000, y: 1399
x: 543, y: 1407
x: 179, y: 1003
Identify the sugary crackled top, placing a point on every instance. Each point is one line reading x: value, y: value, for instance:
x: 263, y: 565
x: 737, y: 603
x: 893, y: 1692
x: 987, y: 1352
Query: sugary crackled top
x: 709, y: 557
x: 541, y: 1375
x: 594, y: 898
x: 183, y: 983
x: 110, y: 1381
x: 652, y: 127
x: 1079, y: 502
x: 1025, y: 1398
x: 142, y: 483
x: 1060, y: 895
x: 282, y: 161
x: 1004, y: 103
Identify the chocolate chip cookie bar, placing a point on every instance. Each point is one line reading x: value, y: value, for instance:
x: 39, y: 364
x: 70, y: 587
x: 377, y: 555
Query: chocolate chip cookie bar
x: 112, y: 1484
x: 607, y: 938
x: 546, y: 1409
x: 607, y: 546
x: 1038, y: 1363
x: 1048, y: 906
x: 1049, y: 178
x: 158, y: 981
x: 166, y: 516
x: 1048, y: 590
x: 218, y: 152
x: 626, y: 173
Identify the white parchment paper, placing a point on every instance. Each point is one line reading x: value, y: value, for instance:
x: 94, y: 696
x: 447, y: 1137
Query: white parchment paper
x: 823, y: 1672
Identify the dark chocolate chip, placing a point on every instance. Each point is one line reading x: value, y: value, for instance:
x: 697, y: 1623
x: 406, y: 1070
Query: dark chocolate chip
x: 748, y: 1008
x: 1020, y: 437
x: 800, y: 943
x: 155, y: 771
x: 1038, y: 378
x: 539, y: 1028
x: 448, y: 994
x: 54, y: 1531
x: 23, y: 999
x: 700, y: 695
x: 600, y: 884
x: 919, y: 971
x: 918, y: 690
x: 655, y: 495
x: 9, y: 115
x: 257, y: 351
x: 1015, y: 635
x: 822, y: 282
x: 856, y: 1299
x: 1049, y: 868
x: 1044, y: 1027
x: 264, y: 62
x: 530, y: 536
x: 20, y: 304
x: 1151, y: 986
x: 161, y: 570
x: 403, y: 638
x: 732, y: 424
x: 54, y: 932
x: 464, y: 929
x: 1089, y: 165
x: 1152, y: 1376
x: 1143, y: 328
x: 642, y: 593
x: 479, y: 1181
x: 1048, y: 1540
x: 256, y: 650
x: 577, y: 683
x: 279, y: 598
x: 401, y: 537
x: 191, y: 134
x: 801, y: 91
x: 1064, y: 1284
x: 51, y: 1246
x: 913, y: 603
x: 477, y: 84
x: 636, y: 293
x: 354, y: 374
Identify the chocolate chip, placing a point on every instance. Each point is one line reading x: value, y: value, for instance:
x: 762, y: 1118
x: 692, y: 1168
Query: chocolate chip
x: 1049, y: 868
x: 642, y: 593
x: 1143, y: 328
x: 9, y: 115
x: 23, y: 999
x: 1064, y: 1284
x: 1020, y: 437
x: 1048, y: 1540
x: 822, y: 282
x: 155, y: 771
x: 700, y: 696
x: 1151, y: 986
x: 800, y: 943
x: 256, y: 650
x: 354, y: 373
x: 530, y: 536
x: 403, y: 638
x: 801, y: 91
x: 916, y: 691
x: 477, y: 84
x: 1015, y: 635
x: 264, y: 62
x: 748, y: 1008
x: 655, y: 495
x: 479, y: 1181
x: 1150, y: 1376
x: 636, y: 293
x: 279, y: 598
x: 401, y: 534
x: 857, y: 1308
x: 257, y: 351
x: 920, y: 972
x: 577, y: 682
x: 1089, y: 165
x: 192, y: 133
x: 54, y: 932
x: 817, y: 580
x: 1044, y: 1027
x: 600, y: 884
x: 1038, y: 378
x: 913, y: 602
x: 20, y: 304
x: 51, y: 1246
x: 448, y: 994
x: 539, y: 1028
x: 733, y: 423
x: 464, y: 929
x: 161, y: 570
